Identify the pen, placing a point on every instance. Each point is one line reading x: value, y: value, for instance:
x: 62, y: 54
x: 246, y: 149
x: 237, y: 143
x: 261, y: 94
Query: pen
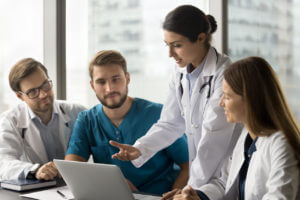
x: 61, y: 194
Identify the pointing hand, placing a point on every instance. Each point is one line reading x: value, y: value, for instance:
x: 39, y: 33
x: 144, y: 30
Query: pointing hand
x: 126, y: 153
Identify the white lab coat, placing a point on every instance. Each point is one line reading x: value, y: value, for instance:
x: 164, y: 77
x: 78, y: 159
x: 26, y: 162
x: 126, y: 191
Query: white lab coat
x: 210, y: 137
x: 18, y: 155
x: 272, y: 173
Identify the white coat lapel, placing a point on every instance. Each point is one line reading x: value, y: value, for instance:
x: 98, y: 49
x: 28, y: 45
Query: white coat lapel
x: 237, y: 160
x: 185, y: 97
x: 33, y: 144
x: 64, y: 125
x: 33, y: 139
x: 196, y: 92
x: 179, y: 88
x: 209, y: 69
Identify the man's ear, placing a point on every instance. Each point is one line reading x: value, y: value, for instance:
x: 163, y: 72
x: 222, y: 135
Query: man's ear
x: 201, y: 37
x: 92, y: 84
x: 127, y: 75
x: 20, y: 96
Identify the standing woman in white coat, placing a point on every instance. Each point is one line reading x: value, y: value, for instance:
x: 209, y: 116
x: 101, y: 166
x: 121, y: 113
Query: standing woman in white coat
x: 192, y: 102
x: 265, y: 162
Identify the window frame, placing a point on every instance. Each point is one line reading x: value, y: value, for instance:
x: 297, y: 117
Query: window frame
x: 55, y: 44
x: 55, y: 38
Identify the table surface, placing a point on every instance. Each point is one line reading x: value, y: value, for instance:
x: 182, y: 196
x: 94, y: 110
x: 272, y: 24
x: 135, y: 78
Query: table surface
x: 13, y: 195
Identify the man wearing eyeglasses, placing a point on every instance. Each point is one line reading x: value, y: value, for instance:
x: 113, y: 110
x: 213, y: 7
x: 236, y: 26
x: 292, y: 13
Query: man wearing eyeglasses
x: 37, y: 130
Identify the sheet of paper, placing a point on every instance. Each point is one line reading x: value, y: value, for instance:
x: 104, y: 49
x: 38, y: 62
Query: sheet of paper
x: 51, y: 194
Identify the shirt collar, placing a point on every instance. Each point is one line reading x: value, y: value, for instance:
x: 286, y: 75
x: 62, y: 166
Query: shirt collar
x: 33, y: 116
x: 197, y: 70
x: 250, y: 146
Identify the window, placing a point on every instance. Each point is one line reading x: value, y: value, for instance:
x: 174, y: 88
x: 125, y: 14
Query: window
x: 269, y: 29
x: 21, y: 36
x: 132, y: 27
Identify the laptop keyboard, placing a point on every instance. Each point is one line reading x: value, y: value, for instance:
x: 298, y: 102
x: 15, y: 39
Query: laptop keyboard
x: 145, y: 197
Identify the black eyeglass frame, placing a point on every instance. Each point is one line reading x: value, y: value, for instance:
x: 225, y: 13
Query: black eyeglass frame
x: 36, y: 91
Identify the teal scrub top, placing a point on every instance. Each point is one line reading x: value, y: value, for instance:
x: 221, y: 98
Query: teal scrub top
x: 93, y: 131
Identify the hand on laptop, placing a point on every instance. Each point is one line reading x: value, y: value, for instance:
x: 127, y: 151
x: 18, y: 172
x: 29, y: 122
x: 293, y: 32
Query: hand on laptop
x: 187, y: 194
x: 126, y: 153
x: 132, y: 187
x: 170, y: 195
x: 47, y: 171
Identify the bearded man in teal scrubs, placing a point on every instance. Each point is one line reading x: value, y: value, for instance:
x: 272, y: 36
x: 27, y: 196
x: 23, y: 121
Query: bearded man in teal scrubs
x: 124, y: 119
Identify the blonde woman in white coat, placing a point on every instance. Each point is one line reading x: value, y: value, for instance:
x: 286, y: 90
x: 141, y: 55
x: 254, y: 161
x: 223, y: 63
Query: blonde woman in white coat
x: 265, y: 162
x: 192, y: 102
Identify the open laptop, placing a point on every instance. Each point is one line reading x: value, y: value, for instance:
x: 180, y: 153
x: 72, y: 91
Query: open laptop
x: 97, y: 181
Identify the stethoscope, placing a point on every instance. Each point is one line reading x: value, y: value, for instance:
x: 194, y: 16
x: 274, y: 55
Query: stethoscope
x: 209, y: 86
x: 208, y: 83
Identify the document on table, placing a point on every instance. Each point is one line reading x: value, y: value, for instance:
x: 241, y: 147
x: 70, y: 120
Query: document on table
x: 59, y: 193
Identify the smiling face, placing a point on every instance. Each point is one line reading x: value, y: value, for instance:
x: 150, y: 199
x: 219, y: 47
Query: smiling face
x: 110, y: 84
x: 42, y: 103
x: 183, y: 50
x: 233, y: 104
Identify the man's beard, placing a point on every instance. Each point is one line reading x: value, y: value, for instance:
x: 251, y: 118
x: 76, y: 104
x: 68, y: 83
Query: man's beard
x: 39, y: 108
x: 117, y: 105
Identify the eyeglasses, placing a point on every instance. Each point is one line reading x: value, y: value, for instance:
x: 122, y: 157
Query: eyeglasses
x: 35, y: 92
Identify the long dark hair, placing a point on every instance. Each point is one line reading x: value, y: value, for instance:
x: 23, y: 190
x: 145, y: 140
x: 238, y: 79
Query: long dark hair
x: 267, y: 110
x: 190, y: 21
